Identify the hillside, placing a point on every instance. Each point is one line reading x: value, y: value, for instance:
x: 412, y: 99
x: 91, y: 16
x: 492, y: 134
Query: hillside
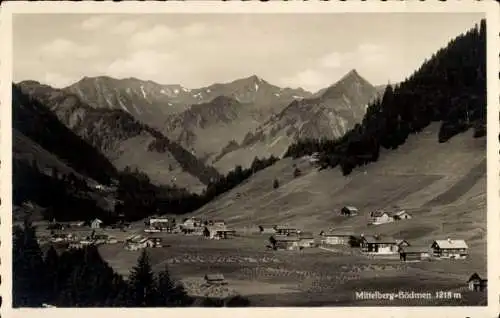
x: 123, y: 140
x: 39, y: 136
x: 330, y: 114
x: 445, y: 194
x: 207, y: 127
x: 189, y: 116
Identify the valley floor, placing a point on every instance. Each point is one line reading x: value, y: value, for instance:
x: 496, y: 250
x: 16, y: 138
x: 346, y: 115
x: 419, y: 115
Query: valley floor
x: 311, y: 277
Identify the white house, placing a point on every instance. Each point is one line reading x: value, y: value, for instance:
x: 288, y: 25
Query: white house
x: 96, y: 223
x: 380, y: 217
x: 449, y: 248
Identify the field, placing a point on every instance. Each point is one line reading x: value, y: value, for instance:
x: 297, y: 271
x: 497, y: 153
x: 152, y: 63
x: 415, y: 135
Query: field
x: 311, y: 277
x: 442, y: 186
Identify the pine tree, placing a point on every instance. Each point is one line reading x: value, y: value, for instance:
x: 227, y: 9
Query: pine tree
x: 170, y: 293
x: 52, y: 267
x: 142, y: 283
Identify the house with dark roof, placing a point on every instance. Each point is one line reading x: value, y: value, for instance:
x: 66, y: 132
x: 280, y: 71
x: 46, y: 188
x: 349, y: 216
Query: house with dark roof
x: 477, y: 283
x: 376, y: 244
x: 401, y: 215
x: 215, y: 279
x: 414, y: 253
x: 306, y: 239
x: 218, y: 232
x: 285, y: 242
x: 449, y: 248
x: 349, y: 211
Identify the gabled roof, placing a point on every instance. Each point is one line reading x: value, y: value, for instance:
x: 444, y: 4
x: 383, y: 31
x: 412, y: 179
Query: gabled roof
x: 97, y: 220
x: 449, y: 244
x: 214, y: 277
x: 476, y: 276
x: 402, y: 212
x: 350, y: 208
x: 378, y: 213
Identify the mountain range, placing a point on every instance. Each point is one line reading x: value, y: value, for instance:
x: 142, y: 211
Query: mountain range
x: 221, y: 125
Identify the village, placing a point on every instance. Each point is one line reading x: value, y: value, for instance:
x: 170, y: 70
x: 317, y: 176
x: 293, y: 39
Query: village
x: 276, y: 238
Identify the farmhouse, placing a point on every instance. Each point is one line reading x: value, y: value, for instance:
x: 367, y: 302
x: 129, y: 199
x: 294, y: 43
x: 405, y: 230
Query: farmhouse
x: 162, y: 224
x: 285, y: 242
x: 401, y: 215
x: 374, y: 244
x: 96, y: 223
x: 139, y: 243
x: 349, y: 211
x: 217, y: 223
x: 267, y: 229
x: 191, y: 223
x: 285, y: 230
x: 215, y: 279
x: 414, y: 253
x: 380, y: 217
x: 217, y: 232
x: 450, y: 249
x: 476, y: 283
x: 306, y: 239
x: 336, y: 238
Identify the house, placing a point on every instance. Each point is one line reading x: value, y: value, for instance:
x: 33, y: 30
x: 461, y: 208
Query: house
x: 192, y: 223
x: 215, y: 279
x: 285, y: 230
x: 414, y: 253
x: 336, y: 238
x: 306, y: 239
x: 449, y: 248
x: 476, y: 283
x: 216, y: 223
x: 77, y: 224
x: 375, y: 244
x: 217, y: 232
x: 139, y: 243
x: 401, y: 215
x: 349, y: 211
x: 285, y: 242
x: 380, y: 217
x: 162, y: 224
x: 267, y: 229
x: 96, y: 223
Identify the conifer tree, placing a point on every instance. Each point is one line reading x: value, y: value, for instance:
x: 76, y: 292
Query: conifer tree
x: 143, y: 291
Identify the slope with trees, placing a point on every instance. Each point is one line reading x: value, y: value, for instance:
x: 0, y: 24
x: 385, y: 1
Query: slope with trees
x: 449, y: 88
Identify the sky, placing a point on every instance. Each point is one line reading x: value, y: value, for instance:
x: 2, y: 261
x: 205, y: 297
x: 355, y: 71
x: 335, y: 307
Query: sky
x: 311, y: 51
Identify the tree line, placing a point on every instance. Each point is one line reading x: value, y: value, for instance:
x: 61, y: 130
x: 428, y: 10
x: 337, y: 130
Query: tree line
x: 140, y: 198
x: 449, y: 88
x: 81, y: 278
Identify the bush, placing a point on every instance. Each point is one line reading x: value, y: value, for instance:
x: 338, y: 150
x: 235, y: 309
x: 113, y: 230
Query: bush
x: 276, y: 184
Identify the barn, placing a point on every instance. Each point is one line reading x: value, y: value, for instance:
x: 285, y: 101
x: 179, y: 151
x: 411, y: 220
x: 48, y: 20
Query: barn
x: 477, y: 283
x: 414, y: 253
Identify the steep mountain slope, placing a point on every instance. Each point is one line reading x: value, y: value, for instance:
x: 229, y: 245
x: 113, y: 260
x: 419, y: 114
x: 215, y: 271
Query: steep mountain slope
x: 330, y: 115
x: 178, y: 112
x: 53, y: 167
x: 39, y: 135
x: 207, y: 127
x: 445, y: 193
x: 147, y: 101
x: 122, y: 139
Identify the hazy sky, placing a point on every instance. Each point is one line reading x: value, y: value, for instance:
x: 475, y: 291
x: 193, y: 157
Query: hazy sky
x: 194, y: 50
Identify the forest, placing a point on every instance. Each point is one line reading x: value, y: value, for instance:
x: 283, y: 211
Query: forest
x: 81, y: 278
x: 449, y: 88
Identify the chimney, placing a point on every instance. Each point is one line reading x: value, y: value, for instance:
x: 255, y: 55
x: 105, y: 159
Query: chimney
x: 449, y: 240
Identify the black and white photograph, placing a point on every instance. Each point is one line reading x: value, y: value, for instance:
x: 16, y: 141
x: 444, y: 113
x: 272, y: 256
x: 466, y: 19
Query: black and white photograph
x: 250, y: 158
